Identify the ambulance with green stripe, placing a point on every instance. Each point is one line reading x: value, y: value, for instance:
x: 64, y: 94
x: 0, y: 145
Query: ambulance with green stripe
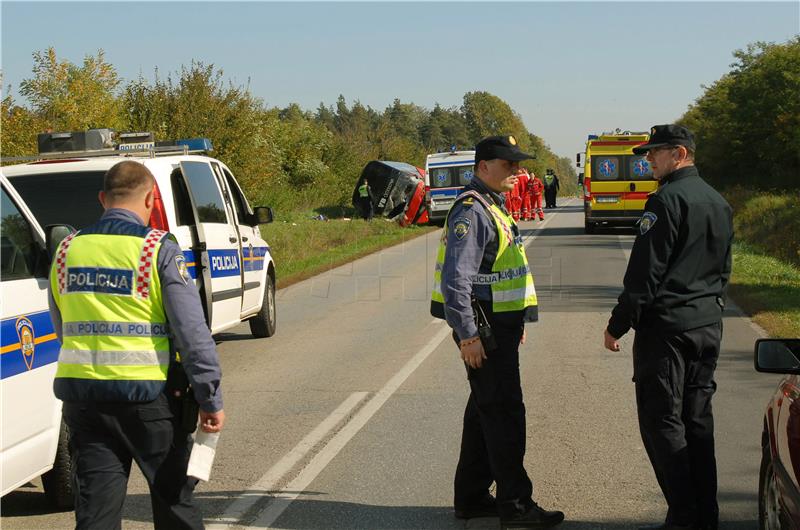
x: 616, y: 182
x: 198, y: 201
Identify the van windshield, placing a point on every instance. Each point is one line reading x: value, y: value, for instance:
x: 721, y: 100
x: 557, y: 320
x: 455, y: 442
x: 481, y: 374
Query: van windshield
x: 621, y: 167
x: 451, y: 176
x: 62, y: 198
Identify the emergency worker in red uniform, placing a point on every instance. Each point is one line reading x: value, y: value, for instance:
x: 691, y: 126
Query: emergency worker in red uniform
x: 523, y: 180
x: 535, y: 190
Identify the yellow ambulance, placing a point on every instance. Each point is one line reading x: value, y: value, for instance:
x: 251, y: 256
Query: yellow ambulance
x: 616, y: 182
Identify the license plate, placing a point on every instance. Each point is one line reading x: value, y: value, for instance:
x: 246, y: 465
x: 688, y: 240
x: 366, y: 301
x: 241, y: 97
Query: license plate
x: 607, y: 198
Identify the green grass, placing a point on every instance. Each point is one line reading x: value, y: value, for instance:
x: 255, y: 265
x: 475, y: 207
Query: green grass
x: 767, y: 289
x: 303, y: 247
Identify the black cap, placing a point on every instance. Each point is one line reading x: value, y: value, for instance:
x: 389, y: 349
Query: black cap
x: 503, y: 147
x: 661, y: 135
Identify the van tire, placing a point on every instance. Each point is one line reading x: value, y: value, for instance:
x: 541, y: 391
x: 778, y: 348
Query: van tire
x: 58, y: 481
x: 263, y: 324
x: 588, y: 228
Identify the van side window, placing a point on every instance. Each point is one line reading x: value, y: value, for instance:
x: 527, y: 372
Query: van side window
x: 239, y: 201
x: 19, y: 250
x: 180, y: 194
x: 206, y: 194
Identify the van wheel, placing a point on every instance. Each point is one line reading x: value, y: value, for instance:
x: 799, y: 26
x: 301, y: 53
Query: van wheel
x: 588, y: 228
x: 770, y: 512
x: 58, y: 481
x: 263, y: 324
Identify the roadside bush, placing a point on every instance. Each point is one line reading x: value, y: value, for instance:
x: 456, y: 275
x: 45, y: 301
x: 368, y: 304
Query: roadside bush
x: 768, y: 221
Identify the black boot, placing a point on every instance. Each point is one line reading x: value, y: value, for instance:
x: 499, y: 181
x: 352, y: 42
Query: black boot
x: 529, y: 515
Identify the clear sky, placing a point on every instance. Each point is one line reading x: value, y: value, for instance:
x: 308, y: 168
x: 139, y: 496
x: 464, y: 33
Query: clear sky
x: 568, y: 68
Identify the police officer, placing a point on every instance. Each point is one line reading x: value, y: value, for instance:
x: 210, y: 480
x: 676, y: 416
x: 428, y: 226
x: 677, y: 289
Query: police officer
x: 679, y: 266
x: 122, y: 301
x: 365, y: 196
x: 481, y: 256
x: 551, y: 186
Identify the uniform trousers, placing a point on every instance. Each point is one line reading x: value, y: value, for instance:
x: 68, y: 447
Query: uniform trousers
x: 536, y: 207
x: 550, y: 198
x: 493, y: 437
x: 105, y: 438
x: 674, y: 376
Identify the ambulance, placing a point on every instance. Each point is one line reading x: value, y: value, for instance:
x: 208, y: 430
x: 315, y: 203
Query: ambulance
x: 446, y: 174
x: 616, y: 182
x: 197, y: 199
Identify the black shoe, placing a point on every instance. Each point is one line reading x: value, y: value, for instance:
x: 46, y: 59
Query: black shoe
x: 486, y: 507
x: 529, y: 516
x: 667, y: 526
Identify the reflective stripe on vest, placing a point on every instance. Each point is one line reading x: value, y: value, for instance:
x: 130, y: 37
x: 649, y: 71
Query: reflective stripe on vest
x: 511, y: 281
x: 115, y: 333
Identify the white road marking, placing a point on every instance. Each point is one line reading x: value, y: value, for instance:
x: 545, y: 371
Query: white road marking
x: 291, y: 491
x: 529, y: 239
x: 254, y: 493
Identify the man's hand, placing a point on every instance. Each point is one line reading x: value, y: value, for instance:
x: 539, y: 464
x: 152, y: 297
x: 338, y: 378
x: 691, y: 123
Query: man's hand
x: 473, y: 354
x: 212, y: 421
x: 524, y: 336
x: 610, y: 342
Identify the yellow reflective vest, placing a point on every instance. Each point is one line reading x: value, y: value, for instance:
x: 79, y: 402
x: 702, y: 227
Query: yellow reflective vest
x: 105, y: 283
x: 510, y: 280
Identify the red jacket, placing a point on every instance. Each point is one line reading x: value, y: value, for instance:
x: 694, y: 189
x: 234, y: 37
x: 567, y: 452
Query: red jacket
x: 536, y: 186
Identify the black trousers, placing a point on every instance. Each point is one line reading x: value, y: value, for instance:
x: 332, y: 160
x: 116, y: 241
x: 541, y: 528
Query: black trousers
x: 105, y: 438
x: 674, y: 376
x: 493, y: 437
x: 550, y: 198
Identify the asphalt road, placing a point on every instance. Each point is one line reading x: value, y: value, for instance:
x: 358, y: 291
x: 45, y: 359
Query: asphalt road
x: 349, y: 417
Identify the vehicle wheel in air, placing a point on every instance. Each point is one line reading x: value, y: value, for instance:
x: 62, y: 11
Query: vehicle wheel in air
x: 769, y: 508
x: 58, y: 481
x: 263, y: 324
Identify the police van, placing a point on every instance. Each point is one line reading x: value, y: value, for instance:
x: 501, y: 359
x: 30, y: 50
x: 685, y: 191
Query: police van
x: 33, y: 441
x: 446, y: 174
x: 197, y: 199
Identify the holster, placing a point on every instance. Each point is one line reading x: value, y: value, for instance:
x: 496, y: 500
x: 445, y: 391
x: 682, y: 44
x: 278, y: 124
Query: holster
x: 484, y: 328
x: 181, y: 398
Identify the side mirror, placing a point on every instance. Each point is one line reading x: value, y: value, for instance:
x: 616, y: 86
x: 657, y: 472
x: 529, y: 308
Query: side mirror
x: 578, y: 159
x: 55, y: 234
x: 262, y: 215
x: 777, y: 356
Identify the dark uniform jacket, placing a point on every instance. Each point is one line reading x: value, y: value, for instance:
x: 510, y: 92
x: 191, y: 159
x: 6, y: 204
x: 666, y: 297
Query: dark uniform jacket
x: 681, y: 260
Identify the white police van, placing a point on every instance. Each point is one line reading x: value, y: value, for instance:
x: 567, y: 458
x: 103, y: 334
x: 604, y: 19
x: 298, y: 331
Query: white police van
x: 33, y: 441
x: 197, y: 199
x: 446, y: 174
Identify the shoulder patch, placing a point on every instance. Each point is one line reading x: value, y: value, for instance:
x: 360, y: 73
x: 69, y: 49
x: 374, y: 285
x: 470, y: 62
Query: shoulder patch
x: 180, y: 263
x: 469, y: 201
x: 461, y: 227
x: 646, y: 222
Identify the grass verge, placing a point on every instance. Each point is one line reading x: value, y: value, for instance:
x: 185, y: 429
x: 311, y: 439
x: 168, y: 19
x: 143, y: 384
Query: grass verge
x: 767, y: 289
x: 303, y: 247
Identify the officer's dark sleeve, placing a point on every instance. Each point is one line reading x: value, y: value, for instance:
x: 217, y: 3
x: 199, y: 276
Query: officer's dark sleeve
x: 190, y: 334
x: 55, y: 314
x: 461, y: 263
x: 726, y: 270
x: 646, y: 268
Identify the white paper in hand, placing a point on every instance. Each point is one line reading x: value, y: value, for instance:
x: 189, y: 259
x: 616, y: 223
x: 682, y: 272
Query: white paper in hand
x: 202, y: 457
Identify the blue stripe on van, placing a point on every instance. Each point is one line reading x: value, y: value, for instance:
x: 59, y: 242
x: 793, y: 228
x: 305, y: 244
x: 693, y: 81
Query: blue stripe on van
x: 452, y: 163
x: 445, y: 192
x: 28, y: 342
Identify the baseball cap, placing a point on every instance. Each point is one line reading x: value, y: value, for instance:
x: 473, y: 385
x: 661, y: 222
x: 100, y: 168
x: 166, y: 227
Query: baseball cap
x: 662, y: 135
x: 503, y: 147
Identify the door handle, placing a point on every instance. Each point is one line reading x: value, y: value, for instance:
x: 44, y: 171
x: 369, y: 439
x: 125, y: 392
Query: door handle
x: 633, y: 186
x: 244, y: 238
x: 232, y: 239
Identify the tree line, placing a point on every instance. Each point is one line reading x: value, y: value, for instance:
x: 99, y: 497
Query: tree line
x: 287, y: 157
x: 747, y: 123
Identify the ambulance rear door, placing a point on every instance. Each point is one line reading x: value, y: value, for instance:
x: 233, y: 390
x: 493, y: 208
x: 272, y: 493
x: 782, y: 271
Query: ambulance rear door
x: 218, y: 251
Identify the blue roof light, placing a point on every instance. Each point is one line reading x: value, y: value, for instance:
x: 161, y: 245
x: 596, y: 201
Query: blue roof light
x: 196, y: 144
